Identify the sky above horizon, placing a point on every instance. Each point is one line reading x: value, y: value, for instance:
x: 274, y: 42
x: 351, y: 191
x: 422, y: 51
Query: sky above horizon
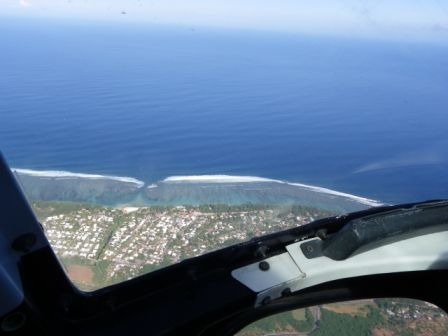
x: 398, y: 18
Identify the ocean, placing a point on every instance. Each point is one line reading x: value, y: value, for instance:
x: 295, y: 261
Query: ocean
x: 363, y: 117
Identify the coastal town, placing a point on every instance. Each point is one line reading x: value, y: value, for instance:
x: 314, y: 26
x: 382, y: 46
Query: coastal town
x: 100, y: 245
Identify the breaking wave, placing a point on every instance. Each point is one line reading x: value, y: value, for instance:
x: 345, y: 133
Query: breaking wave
x: 69, y: 175
x: 254, y: 179
x: 218, y: 179
x: 188, y: 189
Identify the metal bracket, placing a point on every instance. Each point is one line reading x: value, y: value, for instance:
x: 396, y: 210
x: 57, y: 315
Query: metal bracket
x: 281, y: 290
x: 272, y: 278
x: 282, y: 275
x: 312, y: 249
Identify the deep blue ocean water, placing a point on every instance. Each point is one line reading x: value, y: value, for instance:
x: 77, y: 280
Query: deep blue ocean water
x: 366, y: 117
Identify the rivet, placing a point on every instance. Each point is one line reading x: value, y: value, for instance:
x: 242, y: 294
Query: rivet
x: 266, y: 300
x: 286, y: 291
x: 309, y: 248
x: 264, y: 265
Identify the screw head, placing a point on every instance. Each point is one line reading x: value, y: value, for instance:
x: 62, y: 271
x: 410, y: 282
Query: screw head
x: 264, y: 266
x: 266, y: 300
x: 322, y: 234
x: 286, y: 291
x: 261, y: 251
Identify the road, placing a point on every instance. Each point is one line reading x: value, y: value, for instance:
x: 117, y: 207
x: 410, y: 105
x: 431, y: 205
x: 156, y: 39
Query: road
x: 315, y: 310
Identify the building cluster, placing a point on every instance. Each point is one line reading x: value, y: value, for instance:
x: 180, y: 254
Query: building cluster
x: 414, y: 311
x: 133, y: 241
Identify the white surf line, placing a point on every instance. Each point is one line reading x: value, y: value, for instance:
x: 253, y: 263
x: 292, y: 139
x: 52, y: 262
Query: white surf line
x: 66, y: 174
x: 359, y: 199
x: 249, y: 179
x: 219, y: 179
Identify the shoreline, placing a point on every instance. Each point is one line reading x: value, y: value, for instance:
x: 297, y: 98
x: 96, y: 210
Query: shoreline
x: 194, y: 179
x: 256, y: 179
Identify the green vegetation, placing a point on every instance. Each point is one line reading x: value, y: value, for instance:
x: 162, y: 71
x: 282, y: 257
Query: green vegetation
x: 44, y: 209
x: 306, y: 324
x: 293, y: 209
x: 100, y: 271
x: 300, y: 320
x: 334, y: 324
x: 363, y: 318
